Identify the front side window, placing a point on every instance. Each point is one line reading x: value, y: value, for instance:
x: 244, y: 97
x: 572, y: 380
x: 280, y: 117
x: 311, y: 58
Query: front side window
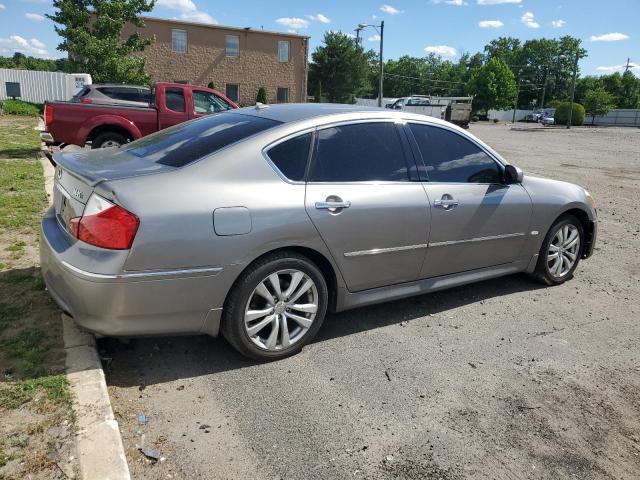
x: 178, y: 41
x: 187, y: 142
x: 283, y: 51
x: 232, y: 92
x: 282, y: 95
x: 175, y: 99
x: 290, y: 156
x: 232, y: 45
x: 359, y: 153
x: 205, y: 103
x: 449, y: 157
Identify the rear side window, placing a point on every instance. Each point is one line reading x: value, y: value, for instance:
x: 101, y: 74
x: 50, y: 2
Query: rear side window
x: 175, y: 99
x: 359, y: 153
x: 290, y: 157
x: 449, y: 157
x: 184, y: 143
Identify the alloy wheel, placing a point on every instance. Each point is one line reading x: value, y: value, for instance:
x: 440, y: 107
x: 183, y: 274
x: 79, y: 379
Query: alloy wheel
x: 563, y: 250
x: 281, y: 309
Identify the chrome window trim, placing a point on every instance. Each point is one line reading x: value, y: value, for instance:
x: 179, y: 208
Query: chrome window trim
x: 376, y: 251
x: 144, y: 274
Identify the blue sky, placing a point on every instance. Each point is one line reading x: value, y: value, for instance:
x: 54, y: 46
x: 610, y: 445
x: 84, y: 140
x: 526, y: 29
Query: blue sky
x: 610, y: 29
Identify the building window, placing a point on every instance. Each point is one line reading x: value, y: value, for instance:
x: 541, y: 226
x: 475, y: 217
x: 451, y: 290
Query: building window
x: 179, y: 41
x: 283, y: 95
x: 283, y: 51
x: 232, y: 92
x: 232, y: 45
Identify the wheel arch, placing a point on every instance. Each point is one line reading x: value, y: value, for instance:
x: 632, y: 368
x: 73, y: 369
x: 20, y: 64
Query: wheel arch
x: 100, y: 129
x: 327, y: 268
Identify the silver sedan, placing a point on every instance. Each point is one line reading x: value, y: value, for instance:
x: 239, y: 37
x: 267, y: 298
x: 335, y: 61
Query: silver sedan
x: 255, y: 222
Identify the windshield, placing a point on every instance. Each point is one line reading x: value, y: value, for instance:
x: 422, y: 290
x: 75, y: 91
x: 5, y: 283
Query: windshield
x: 187, y: 142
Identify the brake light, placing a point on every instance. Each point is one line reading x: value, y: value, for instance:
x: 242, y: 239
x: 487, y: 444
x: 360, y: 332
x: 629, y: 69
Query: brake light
x: 86, y: 100
x: 105, y: 224
x: 48, y: 114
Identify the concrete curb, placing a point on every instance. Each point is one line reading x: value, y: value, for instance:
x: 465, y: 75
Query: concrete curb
x: 100, y: 450
x: 98, y: 442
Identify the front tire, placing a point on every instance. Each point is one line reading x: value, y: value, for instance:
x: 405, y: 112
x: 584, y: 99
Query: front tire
x: 560, y: 252
x: 276, y: 307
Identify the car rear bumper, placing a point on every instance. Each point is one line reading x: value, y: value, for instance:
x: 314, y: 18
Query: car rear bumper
x: 127, y: 303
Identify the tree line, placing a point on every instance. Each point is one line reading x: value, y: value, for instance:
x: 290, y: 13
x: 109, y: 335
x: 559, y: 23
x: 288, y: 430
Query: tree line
x: 536, y: 71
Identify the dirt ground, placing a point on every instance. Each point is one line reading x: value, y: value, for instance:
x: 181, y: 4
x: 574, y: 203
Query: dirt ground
x: 504, y: 379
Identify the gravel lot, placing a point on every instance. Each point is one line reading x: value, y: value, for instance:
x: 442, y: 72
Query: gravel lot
x: 502, y: 379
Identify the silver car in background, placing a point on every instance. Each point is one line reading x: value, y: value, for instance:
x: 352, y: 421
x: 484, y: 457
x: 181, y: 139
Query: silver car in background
x: 257, y: 221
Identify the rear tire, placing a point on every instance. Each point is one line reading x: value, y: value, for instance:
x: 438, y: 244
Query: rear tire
x: 276, y: 307
x: 560, y: 252
x: 108, y: 140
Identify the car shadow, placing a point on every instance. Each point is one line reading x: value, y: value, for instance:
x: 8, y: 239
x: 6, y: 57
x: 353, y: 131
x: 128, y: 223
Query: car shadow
x: 149, y: 361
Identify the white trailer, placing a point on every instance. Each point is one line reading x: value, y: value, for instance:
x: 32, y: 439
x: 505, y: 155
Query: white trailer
x: 37, y: 87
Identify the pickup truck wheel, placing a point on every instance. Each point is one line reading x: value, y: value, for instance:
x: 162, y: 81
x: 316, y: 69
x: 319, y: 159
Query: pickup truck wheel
x: 107, y: 140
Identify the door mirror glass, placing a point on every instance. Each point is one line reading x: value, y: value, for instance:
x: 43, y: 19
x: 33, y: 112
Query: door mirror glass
x: 513, y: 174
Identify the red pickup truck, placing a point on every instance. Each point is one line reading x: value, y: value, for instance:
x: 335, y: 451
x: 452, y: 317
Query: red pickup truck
x: 113, y: 125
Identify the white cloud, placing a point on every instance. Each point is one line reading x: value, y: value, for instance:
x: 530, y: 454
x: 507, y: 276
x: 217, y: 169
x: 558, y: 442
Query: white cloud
x: 188, y: 10
x: 609, y: 37
x: 497, y: 2
x: 490, y: 24
x: 457, y: 3
x: 2, y: 7
x: 529, y: 20
x: 374, y: 38
x: 319, y: 18
x: 619, y: 68
x: 293, y: 23
x: 15, y: 43
x: 389, y: 9
x: 558, y: 23
x: 442, y: 50
x: 34, y: 17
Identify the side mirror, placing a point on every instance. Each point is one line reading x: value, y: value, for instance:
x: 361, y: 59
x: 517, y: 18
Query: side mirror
x: 513, y: 174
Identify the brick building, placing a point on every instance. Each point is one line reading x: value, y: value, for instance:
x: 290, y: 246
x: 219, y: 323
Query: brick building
x: 237, y: 60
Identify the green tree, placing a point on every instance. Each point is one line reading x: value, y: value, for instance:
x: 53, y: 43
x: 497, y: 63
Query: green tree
x: 493, y: 85
x: 340, y: 66
x: 630, y: 91
x: 598, y: 102
x: 262, y: 96
x: 91, y: 32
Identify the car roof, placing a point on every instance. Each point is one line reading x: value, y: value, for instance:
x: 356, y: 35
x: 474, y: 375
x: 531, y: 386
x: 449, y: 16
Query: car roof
x: 321, y: 112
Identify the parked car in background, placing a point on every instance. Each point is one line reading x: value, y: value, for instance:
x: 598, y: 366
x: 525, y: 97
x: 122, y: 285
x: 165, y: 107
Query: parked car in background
x: 547, y: 120
x: 110, y: 125
x: 257, y: 221
x: 114, y: 94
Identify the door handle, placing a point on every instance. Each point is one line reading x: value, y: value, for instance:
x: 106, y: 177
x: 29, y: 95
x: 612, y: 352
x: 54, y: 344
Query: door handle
x: 447, y: 202
x: 332, y: 205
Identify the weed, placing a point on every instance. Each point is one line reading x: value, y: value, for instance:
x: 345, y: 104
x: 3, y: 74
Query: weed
x: 54, y: 387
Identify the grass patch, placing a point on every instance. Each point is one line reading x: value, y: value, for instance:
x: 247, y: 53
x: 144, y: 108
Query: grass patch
x: 54, y: 388
x: 18, y: 107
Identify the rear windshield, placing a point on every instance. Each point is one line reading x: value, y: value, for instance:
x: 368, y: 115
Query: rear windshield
x: 182, y: 144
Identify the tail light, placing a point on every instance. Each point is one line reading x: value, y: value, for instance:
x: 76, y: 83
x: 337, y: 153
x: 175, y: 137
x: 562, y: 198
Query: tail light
x: 48, y: 114
x: 86, y: 100
x: 105, y: 224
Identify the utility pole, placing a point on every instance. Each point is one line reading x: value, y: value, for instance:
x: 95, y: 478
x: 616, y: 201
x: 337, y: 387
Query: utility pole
x: 573, y: 89
x: 544, y: 87
x: 515, y: 105
x: 381, y: 64
x: 626, y: 68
